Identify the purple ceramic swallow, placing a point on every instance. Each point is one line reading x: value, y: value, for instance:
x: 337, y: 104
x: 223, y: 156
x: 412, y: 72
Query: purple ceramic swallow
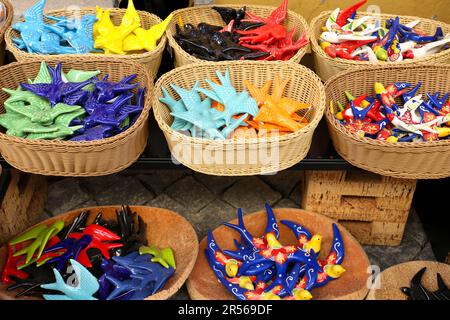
x: 108, y: 90
x: 98, y: 132
x: 57, y: 91
x: 73, y: 248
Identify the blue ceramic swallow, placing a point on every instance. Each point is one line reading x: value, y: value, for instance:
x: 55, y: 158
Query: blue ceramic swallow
x: 108, y: 90
x: 98, y: 132
x: 86, y: 287
x: 33, y: 26
x: 234, y: 103
x: 72, y: 249
x: 81, y: 39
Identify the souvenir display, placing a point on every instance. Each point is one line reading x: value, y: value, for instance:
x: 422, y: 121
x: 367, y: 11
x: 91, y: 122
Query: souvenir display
x: 382, y: 116
x: 368, y: 39
x: 107, y: 260
x: 261, y: 268
x: 226, y: 113
x: 416, y: 291
x: 245, y: 36
x: 76, y: 106
x: 86, y: 34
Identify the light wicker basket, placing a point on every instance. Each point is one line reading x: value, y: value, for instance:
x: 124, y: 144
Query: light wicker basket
x: 242, y: 157
x: 4, y: 27
x: 70, y: 158
x: 150, y: 60
x: 195, y: 15
x: 410, y: 160
x: 326, y: 67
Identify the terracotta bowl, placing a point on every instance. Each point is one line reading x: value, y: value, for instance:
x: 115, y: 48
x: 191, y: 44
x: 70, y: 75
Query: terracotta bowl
x: 203, y: 284
x: 400, y: 275
x: 165, y: 228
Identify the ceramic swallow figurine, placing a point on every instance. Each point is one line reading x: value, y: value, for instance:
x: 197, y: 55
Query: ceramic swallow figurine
x: 33, y: 25
x: 416, y: 290
x: 258, y: 269
x: 382, y: 117
x: 86, y: 287
x: 143, y: 39
x: 245, y: 36
x: 107, y: 260
x: 40, y: 236
x: 393, y: 43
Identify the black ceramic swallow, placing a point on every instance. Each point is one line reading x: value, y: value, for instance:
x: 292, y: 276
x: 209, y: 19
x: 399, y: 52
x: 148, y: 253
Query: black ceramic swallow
x: 417, y: 291
x: 32, y: 285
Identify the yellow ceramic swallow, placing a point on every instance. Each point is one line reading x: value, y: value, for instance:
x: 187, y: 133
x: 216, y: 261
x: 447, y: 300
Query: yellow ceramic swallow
x: 131, y: 16
x: 142, y: 39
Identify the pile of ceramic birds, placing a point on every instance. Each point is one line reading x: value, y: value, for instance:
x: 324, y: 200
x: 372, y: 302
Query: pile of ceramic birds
x: 106, y: 260
x: 261, y: 268
x: 85, y: 34
x: 74, y: 105
x: 226, y: 113
x: 380, y: 117
x: 366, y: 39
x: 64, y: 36
x: 129, y: 37
x: 417, y: 291
x: 246, y: 36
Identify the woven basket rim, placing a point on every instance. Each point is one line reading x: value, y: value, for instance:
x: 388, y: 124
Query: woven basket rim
x: 334, y: 123
x: 95, y: 143
x: 303, y: 26
x: 150, y: 16
x: 9, y: 17
x: 166, y: 128
x: 319, y: 51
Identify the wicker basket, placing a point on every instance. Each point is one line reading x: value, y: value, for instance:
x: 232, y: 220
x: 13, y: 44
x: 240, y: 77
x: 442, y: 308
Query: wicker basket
x: 237, y: 157
x: 150, y: 60
x: 69, y: 158
x: 195, y: 15
x: 4, y: 27
x: 410, y: 160
x: 326, y: 67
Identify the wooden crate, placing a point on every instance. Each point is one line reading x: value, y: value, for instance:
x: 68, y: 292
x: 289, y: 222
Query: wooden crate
x: 23, y: 203
x: 373, y: 207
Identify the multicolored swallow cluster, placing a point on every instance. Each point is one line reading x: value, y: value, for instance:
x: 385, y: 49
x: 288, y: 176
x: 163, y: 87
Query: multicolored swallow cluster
x: 74, y: 105
x: 226, y: 113
x: 245, y: 37
x: 87, y: 33
x: 380, y: 117
x: 263, y: 269
x: 366, y: 39
x: 106, y: 260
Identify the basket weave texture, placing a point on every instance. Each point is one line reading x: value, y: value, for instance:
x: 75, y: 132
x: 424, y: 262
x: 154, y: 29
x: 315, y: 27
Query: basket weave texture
x: 150, y: 60
x: 242, y: 157
x: 196, y: 15
x: 410, y: 160
x: 69, y: 158
x: 4, y: 27
x: 326, y: 67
